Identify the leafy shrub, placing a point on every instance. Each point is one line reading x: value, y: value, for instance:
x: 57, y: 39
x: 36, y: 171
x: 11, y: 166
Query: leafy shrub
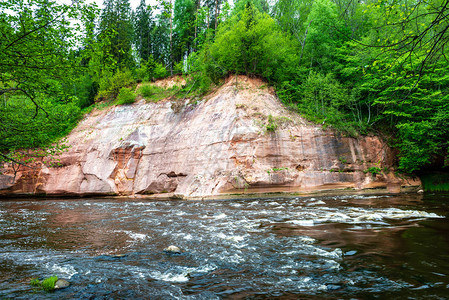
x: 435, y: 182
x: 119, y: 80
x: 125, y: 96
x: 150, y: 70
x: 250, y: 43
x: 373, y: 170
x: 271, y: 126
x: 146, y: 91
x: 141, y: 73
x: 322, y: 99
x: 149, y: 90
x: 200, y: 80
x: 111, y: 85
x: 178, y: 68
x: 159, y: 71
x: 154, y: 93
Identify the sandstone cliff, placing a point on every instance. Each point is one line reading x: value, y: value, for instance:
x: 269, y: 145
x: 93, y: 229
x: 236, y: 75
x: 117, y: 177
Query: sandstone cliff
x: 220, y: 145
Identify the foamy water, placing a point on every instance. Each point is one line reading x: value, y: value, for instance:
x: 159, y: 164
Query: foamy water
x: 336, y: 247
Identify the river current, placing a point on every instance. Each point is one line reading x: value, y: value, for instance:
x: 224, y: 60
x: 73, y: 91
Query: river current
x: 360, y: 247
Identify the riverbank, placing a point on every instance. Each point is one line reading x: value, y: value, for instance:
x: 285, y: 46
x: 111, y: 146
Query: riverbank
x: 237, y: 196
x: 240, y: 139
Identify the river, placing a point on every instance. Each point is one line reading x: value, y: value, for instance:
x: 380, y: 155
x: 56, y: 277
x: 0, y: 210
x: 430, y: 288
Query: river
x: 361, y: 247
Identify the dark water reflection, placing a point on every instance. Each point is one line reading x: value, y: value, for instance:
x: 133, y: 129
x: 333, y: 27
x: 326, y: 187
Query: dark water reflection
x: 365, y: 247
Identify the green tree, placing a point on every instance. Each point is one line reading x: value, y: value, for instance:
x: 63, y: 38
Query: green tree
x: 291, y: 17
x: 260, y: 5
x: 116, y: 34
x: 184, y: 20
x: 143, y: 27
x: 322, y: 35
x: 36, y: 47
x: 37, y: 66
x: 397, y: 68
x: 251, y: 43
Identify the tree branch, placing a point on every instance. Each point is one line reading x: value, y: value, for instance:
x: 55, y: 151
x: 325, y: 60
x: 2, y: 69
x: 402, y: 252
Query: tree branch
x: 7, y: 158
x: 34, y: 30
x: 38, y: 107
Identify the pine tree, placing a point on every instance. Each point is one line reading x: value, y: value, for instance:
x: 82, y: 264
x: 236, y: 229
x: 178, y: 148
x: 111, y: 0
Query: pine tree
x: 143, y: 27
x: 116, y: 33
x: 184, y: 20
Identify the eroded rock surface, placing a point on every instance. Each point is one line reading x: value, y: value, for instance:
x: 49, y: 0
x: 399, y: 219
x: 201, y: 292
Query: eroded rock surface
x: 218, y: 146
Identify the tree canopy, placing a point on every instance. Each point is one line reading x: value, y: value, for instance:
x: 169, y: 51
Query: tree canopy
x: 372, y: 67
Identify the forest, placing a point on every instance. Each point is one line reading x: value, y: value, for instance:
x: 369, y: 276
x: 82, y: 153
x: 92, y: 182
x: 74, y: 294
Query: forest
x: 362, y: 67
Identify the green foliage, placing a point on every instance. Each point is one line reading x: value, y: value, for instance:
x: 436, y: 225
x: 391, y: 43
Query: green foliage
x: 435, y: 182
x: 35, y: 282
x: 28, y: 63
x: 143, y: 27
x: 158, y: 71
x: 359, y: 67
x: 147, y: 91
x: 322, y: 96
x: 178, y: 68
x: 373, y: 170
x: 18, y: 128
x: 151, y: 70
x: 47, y: 284
x: 342, y: 160
x: 125, y: 96
x: 85, y: 89
x: 40, y: 72
x: 250, y: 43
x: 276, y: 170
x: 111, y: 85
x: 184, y: 20
x: 322, y: 99
x: 116, y: 33
x: 260, y: 5
x: 324, y: 34
x: 271, y: 125
x: 292, y: 15
x: 200, y: 81
x: 154, y: 93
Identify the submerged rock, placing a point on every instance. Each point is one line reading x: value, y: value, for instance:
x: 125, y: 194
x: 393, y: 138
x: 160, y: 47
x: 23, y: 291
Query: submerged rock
x: 118, y: 255
x: 350, y: 253
x: 173, y: 249
x: 112, y: 257
x: 61, y: 284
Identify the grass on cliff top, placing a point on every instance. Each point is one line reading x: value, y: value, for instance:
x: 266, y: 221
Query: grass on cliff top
x: 153, y: 93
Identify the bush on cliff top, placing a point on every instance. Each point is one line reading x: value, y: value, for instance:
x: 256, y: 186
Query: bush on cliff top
x: 125, y: 96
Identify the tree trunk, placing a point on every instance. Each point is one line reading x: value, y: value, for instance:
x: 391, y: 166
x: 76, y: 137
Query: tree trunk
x: 303, y: 44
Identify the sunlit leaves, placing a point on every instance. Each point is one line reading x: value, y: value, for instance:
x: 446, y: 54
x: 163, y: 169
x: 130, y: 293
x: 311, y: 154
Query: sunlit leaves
x: 251, y: 43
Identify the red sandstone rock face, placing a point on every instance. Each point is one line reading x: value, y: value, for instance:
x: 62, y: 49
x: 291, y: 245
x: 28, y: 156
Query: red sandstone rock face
x: 218, y: 146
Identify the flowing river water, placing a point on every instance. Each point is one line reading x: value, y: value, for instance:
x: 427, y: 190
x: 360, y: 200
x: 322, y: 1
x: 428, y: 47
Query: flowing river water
x: 360, y: 247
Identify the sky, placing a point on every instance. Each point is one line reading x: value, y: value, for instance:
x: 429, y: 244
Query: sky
x: 134, y: 3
